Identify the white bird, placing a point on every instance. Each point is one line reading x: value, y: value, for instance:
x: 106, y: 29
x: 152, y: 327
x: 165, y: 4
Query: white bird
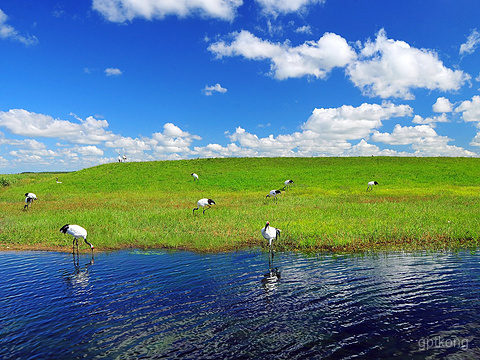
x: 371, y: 184
x: 58, y: 182
x: 195, y: 176
x: 77, y: 232
x: 124, y: 157
x: 270, y: 233
x: 273, y: 193
x: 29, y: 197
x: 205, y: 204
x: 119, y: 158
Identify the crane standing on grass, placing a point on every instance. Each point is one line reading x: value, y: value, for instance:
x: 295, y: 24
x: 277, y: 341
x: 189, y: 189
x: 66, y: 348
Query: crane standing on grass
x: 371, y: 184
x: 29, y: 197
x: 205, y: 204
x: 287, y: 183
x: 273, y: 193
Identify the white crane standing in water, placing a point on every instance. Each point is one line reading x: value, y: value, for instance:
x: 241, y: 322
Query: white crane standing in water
x: 270, y: 233
x: 77, y: 232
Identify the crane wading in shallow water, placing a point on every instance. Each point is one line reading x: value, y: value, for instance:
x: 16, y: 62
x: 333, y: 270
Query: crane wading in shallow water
x: 205, y: 204
x: 77, y: 232
x: 270, y: 233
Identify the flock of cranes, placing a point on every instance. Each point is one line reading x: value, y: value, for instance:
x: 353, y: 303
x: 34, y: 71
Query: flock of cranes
x: 270, y: 233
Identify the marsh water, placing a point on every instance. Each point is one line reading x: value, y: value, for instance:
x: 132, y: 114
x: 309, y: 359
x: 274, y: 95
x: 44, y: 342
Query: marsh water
x: 181, y: 305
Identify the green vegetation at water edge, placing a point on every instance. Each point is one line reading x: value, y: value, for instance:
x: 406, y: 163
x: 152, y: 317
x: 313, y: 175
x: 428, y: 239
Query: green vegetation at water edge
x: 420, y: 203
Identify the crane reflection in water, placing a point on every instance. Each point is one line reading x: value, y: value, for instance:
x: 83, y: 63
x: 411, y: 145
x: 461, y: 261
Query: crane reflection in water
x: 272, y: 277
x: 80, y: 277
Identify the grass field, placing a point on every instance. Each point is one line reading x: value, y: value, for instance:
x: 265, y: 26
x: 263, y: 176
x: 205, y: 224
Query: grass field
x: 420, y: 203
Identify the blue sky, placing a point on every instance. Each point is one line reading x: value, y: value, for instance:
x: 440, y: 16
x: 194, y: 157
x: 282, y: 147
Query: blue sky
x: 84, y: 81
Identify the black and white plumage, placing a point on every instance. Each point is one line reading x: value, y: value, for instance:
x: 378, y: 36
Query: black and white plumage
x: 371, y: 184
x: 287, y: 183
x: 58, y: 181
x: 273, y: 193
x: 77, y: 232
x: 29, y: 197
x: 195, y: 176
x: 205, y: 204
x: 270, y: 233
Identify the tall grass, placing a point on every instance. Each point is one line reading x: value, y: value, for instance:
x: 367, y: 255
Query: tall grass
x: 419, y: 203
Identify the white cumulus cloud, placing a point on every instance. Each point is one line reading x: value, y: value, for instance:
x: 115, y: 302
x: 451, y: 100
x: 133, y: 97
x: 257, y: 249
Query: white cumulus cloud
x: 423, y: 139
x: 442, y: 105
x: 348, y: 122
x: 312, y: 58
x: 25, y: 123
x: 390, y: 68
x: 470, y: 109
x: 432, y: 121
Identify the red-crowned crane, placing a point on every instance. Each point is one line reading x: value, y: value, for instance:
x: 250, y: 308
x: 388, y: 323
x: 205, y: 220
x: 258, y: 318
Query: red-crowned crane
x: 371, y: 184
x: 29, y: 197
x: 205, y: 204
x: 273, y: 193
x: 77, y: 232
x: 195, y: 176
x: 287, y: 183
x: 270, y: 233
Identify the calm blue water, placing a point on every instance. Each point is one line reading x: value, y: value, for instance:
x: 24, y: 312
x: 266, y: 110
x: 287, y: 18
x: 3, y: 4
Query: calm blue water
x: 182, y: 305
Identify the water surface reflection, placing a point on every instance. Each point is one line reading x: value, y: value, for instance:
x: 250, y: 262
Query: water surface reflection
x: 158, y: 304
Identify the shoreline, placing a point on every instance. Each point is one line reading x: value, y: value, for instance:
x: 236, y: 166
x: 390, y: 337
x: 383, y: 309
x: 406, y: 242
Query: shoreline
x: 369, y: 247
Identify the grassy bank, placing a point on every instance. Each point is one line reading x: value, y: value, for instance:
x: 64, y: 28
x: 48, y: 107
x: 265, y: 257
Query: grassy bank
x: 421, y: 203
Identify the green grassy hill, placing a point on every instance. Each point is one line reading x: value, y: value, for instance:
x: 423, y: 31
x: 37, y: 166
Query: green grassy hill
x: 419, y: 203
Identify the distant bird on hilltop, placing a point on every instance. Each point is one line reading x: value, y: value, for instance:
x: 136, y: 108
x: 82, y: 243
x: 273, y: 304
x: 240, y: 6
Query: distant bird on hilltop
x: 29, y: 197
x: 205, y: 204
x: 371, y: 184
x: 77, y: 232
x: 273, y: 193
x: 195, y: 176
